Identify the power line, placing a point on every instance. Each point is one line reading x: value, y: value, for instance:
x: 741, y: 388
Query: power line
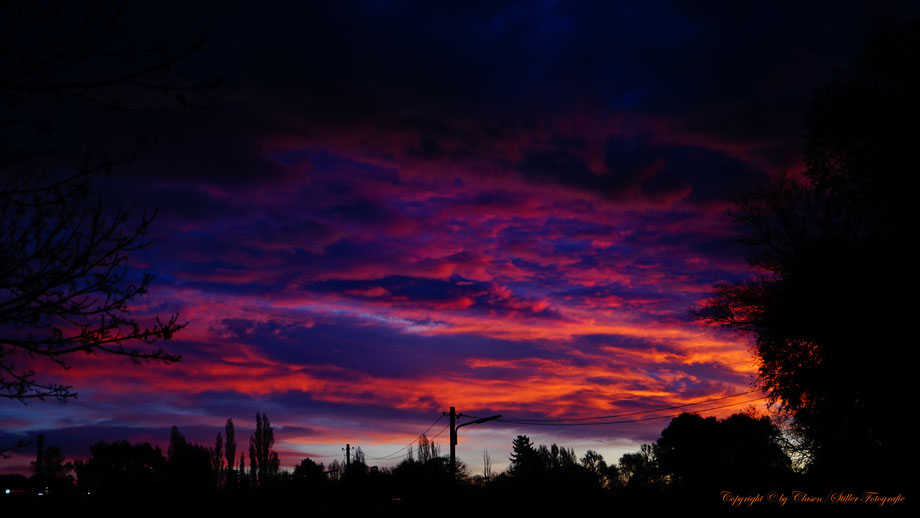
x: 442, y: 431
x: 401, y: 455
x: 529, y: 423
x: 386, y: 457
x: 640, y: 412
x: 564, y: 421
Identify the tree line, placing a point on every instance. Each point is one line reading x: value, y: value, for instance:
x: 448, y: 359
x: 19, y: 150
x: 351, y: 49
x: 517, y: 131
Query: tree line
x: 120, y: 466
x: 742, y: 452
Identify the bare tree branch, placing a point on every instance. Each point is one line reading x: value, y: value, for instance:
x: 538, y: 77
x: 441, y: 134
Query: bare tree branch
x: 65, y: 286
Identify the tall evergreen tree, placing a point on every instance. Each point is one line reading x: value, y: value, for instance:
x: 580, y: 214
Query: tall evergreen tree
x: 217, y: 458
x: 230, y: 451
x: 243, y: 479
x: 524, y: 457
x: 253, y: 463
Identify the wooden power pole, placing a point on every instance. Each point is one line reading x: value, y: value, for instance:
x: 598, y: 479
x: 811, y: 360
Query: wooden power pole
x: 453, y: 436
x: 453, y: 443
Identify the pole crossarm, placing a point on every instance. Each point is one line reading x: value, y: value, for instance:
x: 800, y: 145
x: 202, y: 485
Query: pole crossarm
x: 453, y: 435
x: 478, y: 421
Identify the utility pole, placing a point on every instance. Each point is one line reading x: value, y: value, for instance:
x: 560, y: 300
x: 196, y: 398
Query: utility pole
x: 453, y: 443
x: 453, y: 436
x: 347, y: 455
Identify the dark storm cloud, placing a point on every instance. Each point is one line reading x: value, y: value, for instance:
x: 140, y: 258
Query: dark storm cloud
x: 377, y: 350
x: 637, y: 166
x: 310, y: 68
x: 664, y: 169
x: 455, y: 292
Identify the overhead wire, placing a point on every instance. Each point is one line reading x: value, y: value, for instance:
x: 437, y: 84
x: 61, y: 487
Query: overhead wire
x: 568, y: 421
x: 442, y: 431
x: 639, y: 412
x: 393, y: 455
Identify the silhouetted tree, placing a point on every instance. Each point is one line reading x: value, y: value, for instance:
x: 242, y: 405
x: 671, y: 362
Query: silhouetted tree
x: 309, y: 472
x: 49, y: 468
x: 253, y: 464
x: 538, y: 476
x: 64, y: 284
x: 558, y: 459
x: 427, y: 449
x: 358, y: 456
x: 55, y: 466
x: 263, y: 460
x: 357, y: 469
x: 243, y: 477
x: 602, y: 474
x: 217, y: 459
x: 524, y: 458
x: 119, y: 467
x: 230, y: 448
x: 38, y: 467
x: 335, y: 469
x: 835, y: 297
x: 740, y: 452
x: 640, y: 470
x: 420, y: 483
x: 188, y: 465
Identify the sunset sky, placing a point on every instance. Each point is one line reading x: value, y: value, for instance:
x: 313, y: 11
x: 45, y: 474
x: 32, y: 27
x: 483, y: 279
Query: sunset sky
x: 388, y: 209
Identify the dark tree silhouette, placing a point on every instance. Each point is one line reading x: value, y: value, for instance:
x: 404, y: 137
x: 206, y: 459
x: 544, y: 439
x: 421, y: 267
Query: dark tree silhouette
x: 739, y: 452
x: 50, y: 468
x: 230, y: 452
x: 309, y: 472
x: 420, y: 483
x: 486, y: 465
x: 525, y: 461
x: 335, y: 469
x: 357, y: 469
x: 640, y: 470
x: 558, y: 459
x: 538, y: 475
x: 188, y: 465
x: 119, y: 467
x: 263, y: 460
x: 243, y: 478
x: 64, y: 286
x: 427, y: 449
x: 217, y: 459
x: 38, y: 467
x: 604, y: 475
x: 833, y: 303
